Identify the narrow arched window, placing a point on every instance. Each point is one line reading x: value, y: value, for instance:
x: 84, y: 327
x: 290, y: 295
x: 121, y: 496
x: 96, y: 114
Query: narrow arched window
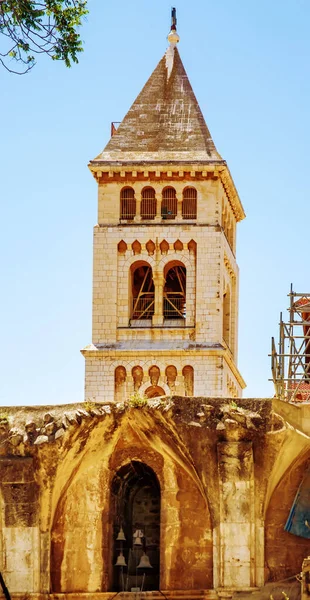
x: 189, y: 205
x: 142, y: 292
x: 148, y: 204
x: 120, y: 376
x: 128, y: 204
x: 227, y: 316
x: 169, y: 203
x: 175, y: 291
x: 188, y: 374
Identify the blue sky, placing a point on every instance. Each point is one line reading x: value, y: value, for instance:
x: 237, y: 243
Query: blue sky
x: 249, y: 66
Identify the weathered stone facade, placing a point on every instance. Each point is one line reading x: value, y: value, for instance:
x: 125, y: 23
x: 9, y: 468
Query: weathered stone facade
x: 225, y: 476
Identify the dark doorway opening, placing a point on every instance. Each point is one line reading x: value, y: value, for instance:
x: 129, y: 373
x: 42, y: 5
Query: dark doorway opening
x: 136, y: 528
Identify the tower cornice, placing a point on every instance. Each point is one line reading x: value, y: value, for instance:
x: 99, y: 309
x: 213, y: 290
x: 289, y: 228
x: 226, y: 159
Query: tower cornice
x: 129, y: 172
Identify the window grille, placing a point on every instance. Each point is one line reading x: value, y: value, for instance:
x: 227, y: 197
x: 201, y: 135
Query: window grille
x: 128, y: 204
x: 189, y: 206
x: 148, y: 204
x: 169, y: 204
x: 175, y: 293
x: 142, y: 294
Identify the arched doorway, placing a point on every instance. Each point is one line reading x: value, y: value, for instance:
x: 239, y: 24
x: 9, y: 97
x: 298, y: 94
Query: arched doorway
x: 136, y: 528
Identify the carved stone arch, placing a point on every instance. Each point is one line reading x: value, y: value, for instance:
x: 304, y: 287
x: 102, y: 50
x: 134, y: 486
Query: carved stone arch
x: 81, y: 512
x: 182, y: 494
x: 122, y: 247
x: 149, y: 260
x: 154, y: 374
x: 127, y: 203
x: 150, y: 247
x: 174, y: 257
x: 290, y: 450
x: 136, y: 247
x: 171, y: 375
x: 169, y: 203
x: 164, y: 247
x: 141, y: 291
x: 188, y: 374
x: 146, y: 385
x: 178, y: 245
x: 175, y: 290
x: 137, y: 375
x: 148, y: 203
x: 120, y: 377
x: 192, y: 247
x: 285, y: 552
x: 80, y: 491
x: 189, y: 203
x: 154, y: 392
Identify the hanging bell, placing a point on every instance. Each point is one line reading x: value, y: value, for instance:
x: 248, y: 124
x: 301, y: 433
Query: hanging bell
x: 120, y: 561
x: 137, y: 541
x: 121, y: 536
x: 144, y: 562
x: 138, y: 533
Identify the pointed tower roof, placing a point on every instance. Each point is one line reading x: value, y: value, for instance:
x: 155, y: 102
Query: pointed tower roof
x: 165, y: 123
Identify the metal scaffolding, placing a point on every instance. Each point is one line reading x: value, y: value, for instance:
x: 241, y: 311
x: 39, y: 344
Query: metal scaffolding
x: 290, y: 364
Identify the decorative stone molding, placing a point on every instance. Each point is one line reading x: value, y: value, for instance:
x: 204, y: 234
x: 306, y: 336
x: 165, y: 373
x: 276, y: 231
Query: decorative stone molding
x: 229, y: 267
x: 232, y: 193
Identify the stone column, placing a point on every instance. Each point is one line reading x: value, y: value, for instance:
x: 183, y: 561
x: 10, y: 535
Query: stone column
x: 159, y: 282
x: 179, y: 209
x: 20, y: 537
x: 235, y: 537
x: 138, y: 207
x: 158, y: 207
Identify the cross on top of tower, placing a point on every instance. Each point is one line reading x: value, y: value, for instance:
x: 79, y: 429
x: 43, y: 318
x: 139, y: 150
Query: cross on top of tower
x: 173, y: 37
x: 173, y: 18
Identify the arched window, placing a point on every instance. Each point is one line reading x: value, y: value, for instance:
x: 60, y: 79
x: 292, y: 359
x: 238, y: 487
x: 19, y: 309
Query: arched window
x: 188, y: 374
x: 120, y: 376
x: 136, y: 528
x: 154, y: 392
x: 171, y: 375
x: 142, y: 291
x: 137, y: 375
x: 169, y: 203
x: 227, y: 317
x: 128, y: 204
x: 175, y: 291
x: 189, y: 205
x: 148, y: 204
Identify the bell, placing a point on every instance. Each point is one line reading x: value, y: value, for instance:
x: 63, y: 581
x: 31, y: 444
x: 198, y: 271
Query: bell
x: 137, y: 542
x: 120, y: 561
x: 144, y: 562
x: 138, y: 533
x: 121, y: 536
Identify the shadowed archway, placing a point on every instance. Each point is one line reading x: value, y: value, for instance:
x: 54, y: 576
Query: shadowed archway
x: 136, y: 528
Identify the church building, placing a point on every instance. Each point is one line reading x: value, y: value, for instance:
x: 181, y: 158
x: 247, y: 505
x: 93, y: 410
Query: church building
x: 165, y: 280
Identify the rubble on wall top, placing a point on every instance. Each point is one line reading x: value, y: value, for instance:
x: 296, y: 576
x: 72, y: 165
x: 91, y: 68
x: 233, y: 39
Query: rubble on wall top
x: 23, y: 429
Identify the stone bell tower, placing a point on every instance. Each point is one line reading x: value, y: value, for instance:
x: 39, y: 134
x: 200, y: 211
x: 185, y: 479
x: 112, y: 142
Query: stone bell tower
x: 165, y: 281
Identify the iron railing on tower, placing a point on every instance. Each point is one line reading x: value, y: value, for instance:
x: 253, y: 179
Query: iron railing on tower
x: 290, y: 362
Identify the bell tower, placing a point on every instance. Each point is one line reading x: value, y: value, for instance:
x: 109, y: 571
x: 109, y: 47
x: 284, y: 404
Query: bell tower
x: 165, y: 280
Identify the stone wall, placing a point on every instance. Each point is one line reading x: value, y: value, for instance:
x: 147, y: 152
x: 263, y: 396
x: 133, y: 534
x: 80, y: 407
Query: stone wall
x: 212, y: 459
x: 203, y: 246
